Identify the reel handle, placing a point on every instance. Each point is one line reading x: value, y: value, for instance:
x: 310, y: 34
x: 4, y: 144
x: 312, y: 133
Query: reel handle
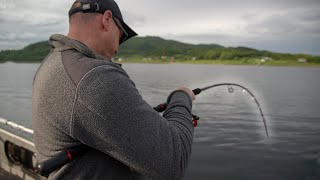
x: 163, y: 106
x: 195, y: 118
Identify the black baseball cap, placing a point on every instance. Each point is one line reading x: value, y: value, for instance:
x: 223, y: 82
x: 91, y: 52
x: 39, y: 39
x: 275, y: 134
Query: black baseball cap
x: 100, y: 6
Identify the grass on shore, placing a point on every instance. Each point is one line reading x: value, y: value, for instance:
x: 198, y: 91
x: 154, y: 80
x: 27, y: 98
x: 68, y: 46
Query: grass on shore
x: 225, y: 62
x: 253, y: 62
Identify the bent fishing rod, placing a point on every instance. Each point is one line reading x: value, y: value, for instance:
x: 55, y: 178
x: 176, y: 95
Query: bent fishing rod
x: 163, y: 106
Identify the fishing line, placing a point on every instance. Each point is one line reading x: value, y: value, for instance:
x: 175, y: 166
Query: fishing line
x: 163, y: 106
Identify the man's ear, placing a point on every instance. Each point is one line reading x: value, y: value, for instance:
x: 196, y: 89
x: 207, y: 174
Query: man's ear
x: 107, y: 19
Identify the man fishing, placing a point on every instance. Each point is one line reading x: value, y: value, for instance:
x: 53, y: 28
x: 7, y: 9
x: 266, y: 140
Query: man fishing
x: 82, y: 99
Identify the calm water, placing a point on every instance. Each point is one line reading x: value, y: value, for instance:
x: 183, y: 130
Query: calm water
x: 229, y: 142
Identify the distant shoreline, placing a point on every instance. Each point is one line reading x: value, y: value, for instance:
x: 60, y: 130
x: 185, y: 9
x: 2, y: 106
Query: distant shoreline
x: 283, y: 63
x: 157, y: 50
x: 280, y: 63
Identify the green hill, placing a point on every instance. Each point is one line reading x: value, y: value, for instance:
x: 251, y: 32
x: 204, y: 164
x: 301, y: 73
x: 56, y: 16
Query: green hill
x: 156, y: 46
x: 161, y: 50
x: 31, y: 53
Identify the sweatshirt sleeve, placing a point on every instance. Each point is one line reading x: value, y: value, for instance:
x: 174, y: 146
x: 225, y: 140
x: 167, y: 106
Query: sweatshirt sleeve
x: 110, y: 115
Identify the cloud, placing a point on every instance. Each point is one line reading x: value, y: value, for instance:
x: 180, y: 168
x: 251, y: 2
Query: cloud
x: 293, y: 23
x: 134, y: 19
x: 11, y: 44
x: 297, y: 44
x: 31, y: 19
x: 286, y: 25
x: 12, y: 36
x: 295, y: 30
x: 208, y: 38
x: 23, y: 22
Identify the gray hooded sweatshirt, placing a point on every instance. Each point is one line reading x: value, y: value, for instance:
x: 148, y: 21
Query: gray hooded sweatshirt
x: 80, y: 98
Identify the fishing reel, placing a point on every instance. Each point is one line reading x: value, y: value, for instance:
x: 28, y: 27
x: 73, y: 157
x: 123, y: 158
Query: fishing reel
x: 163, y: 106
x: 195, y: 118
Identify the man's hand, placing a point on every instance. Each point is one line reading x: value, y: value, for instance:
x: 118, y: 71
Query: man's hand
x: 187, y: 90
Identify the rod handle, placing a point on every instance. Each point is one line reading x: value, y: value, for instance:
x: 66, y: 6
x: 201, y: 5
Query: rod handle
x: 62, y: 158
x: 50, y: 165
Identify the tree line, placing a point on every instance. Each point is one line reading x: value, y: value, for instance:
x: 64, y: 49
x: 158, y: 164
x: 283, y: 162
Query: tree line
x: 156, y: 48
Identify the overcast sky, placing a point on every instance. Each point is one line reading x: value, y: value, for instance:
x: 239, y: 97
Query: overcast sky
x: 277, y: 25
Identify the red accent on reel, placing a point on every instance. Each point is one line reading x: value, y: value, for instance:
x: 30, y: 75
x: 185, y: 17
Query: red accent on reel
x: 195, y: 123
x: 69, y: 154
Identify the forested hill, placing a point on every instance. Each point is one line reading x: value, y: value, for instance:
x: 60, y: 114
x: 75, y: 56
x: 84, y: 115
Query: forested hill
x: 156, y: 48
